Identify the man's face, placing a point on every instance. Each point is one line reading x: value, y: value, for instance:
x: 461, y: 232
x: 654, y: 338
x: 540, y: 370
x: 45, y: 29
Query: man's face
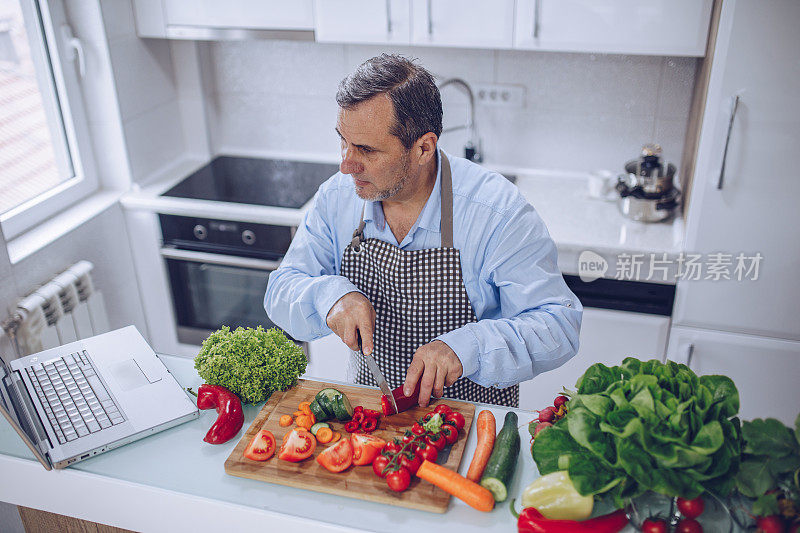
x: 378, y: 162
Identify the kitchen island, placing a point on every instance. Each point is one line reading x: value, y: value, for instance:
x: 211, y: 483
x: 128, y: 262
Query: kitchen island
x: 173, y: 481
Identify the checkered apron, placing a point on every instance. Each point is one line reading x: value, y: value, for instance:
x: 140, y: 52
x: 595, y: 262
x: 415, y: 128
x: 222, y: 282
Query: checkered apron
x: 417, y: 295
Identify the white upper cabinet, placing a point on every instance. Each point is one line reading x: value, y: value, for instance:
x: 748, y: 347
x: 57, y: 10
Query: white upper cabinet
x: 363, y: 21
x: 256, y: 14
x: 656, y: 27
x: 462, y: 23
x: 231, y: 19
x: 746, y: 187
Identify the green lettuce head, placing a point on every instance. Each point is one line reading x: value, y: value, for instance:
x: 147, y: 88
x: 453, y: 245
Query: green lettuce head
x: 251, y: 363
x: 646, y: 426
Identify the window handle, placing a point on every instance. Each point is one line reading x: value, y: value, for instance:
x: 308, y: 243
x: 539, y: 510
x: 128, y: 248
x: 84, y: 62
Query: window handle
x: 430, y: 19
x: 76, y: 49
x: 389, y: 17
x: 537, y: 13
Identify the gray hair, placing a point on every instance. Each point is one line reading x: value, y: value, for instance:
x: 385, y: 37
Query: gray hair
x: 412, y: 89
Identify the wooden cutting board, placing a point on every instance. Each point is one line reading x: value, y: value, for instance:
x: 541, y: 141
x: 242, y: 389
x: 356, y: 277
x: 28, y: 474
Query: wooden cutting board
x: 357, y: 481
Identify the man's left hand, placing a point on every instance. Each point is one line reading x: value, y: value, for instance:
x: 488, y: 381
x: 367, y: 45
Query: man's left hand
x: 437, y: 365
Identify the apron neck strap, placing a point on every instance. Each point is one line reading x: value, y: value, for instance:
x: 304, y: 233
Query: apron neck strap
x: 446, y: 191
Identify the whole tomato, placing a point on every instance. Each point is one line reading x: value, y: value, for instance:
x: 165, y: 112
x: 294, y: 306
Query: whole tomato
x: 443, y: 409
x: 691, y: 508
x: 392, y: 446
x: 438, y: 441
x: 416, y: 429
x: 654, y: 525
x: 398, y: 480
x: 450, y: 433
x: 457, y: 419
x: 408, y: 437
x: 379, y: 464
x: 427, y: 453
x: 689, y: 525
x: 411, y: 463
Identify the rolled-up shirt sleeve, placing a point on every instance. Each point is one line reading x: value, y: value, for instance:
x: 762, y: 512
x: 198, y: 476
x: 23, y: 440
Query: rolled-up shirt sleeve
x: 538, y: 324
x: 304, y: 288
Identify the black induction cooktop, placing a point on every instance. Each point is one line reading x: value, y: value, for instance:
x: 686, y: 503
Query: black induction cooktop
x: 245, y: 180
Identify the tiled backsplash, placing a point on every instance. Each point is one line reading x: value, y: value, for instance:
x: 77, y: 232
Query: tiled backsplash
x: 581, y: 112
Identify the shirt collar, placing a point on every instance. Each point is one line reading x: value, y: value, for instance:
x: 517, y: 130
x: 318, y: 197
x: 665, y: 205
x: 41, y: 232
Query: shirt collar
x: 431, y: 216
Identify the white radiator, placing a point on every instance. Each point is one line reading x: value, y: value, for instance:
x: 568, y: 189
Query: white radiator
x: 65, y: 309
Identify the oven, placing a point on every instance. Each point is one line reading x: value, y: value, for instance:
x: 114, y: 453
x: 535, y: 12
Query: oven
x: 217, y: 272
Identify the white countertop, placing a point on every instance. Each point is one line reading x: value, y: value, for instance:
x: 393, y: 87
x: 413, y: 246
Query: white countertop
x: 174, y: 481
x: 576, y: 221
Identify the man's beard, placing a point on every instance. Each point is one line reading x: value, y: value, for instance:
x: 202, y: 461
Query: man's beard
x: 394, y: 189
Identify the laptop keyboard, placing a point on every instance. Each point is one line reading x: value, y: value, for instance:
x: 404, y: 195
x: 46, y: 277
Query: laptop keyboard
x: 75, y: 400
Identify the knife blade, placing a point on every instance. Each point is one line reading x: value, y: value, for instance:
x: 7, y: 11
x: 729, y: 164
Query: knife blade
x: 376, y: 373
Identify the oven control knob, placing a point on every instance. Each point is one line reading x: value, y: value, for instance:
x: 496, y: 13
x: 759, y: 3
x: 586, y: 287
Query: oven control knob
x: 200, y: 232
x: 248, y: 237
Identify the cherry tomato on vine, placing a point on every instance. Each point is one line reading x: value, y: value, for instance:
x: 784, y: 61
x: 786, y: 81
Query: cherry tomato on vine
x: 689, y: 525
x: 398, y: 480
x: 379, y: 464
x: 457, y: 419
x: 691, y: 508
x: 654, y: 525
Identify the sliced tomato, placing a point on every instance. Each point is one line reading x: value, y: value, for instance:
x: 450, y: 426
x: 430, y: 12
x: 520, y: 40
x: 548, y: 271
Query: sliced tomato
x: 261, y: 447
x: 365, y: 448
x: 337, y: 457
x: 297, y: 445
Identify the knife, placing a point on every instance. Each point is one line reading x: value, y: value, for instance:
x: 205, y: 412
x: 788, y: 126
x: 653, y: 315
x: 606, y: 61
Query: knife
x: 376, y: 373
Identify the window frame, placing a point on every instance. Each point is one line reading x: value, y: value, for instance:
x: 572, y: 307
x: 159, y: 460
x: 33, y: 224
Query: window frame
x: 65, y: 83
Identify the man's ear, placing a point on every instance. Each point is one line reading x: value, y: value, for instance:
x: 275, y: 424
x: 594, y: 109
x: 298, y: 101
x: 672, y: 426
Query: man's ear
x: 425, y: 148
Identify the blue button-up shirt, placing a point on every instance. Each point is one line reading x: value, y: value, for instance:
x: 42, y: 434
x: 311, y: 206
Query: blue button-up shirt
x: 528, y: 320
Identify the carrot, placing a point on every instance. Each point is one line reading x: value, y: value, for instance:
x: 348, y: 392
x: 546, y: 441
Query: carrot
x: 324, y: 435
x: 285, y: 420
x: 298, y: 413
x: 305, y: 421
x: 454, y: 483
x: 336, y: 436
x: 487, y: 430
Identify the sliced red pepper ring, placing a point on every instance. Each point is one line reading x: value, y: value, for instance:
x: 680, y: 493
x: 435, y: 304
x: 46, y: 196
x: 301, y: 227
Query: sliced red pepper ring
x: 371, y: 413
x: 352, y: 426
x: 358, y: 416
x: 369, y: 425
x: 358, y: 409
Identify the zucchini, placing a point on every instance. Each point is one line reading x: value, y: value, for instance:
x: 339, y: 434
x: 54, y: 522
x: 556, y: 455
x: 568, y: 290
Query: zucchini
x: 503, y: 461
x: 319, y: 413
x: 342, y: 408
x: 325, y: 399
x: 316, y: 427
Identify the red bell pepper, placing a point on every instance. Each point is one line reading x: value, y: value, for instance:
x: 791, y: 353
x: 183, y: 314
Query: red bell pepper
x: 530, y: 520
x: 229, y: 410
x: 403, y: 402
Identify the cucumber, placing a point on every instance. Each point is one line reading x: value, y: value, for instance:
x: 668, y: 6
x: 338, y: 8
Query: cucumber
x: 503, y: 460
x: 316, y: 427
x: 325, y: 399
x: 342, y: 408
x: 319, y: 413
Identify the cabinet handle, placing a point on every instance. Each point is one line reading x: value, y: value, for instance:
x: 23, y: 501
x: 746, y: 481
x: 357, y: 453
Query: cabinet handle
x: 389, y: 16
x: 537, y: 8
x: 430, y: 19
x: 689, y: 355
x: 734, y: 108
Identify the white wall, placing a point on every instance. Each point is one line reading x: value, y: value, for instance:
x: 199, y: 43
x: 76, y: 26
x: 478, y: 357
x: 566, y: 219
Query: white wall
x: 103, y: 241
x: 582, y: 111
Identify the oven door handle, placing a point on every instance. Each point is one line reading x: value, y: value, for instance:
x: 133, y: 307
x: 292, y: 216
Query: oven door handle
x: 219, y: 259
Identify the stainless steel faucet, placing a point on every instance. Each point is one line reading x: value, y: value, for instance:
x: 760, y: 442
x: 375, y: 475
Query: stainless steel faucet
x: 472, y: 150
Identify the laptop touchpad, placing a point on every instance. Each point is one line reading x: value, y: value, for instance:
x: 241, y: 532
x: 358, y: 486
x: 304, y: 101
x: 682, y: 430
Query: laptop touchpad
x: 129, y: 375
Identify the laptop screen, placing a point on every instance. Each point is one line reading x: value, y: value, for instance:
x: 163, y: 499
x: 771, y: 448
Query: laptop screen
x: 9, y: 413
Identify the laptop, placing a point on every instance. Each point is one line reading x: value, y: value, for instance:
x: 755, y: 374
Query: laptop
x: 90, y: 396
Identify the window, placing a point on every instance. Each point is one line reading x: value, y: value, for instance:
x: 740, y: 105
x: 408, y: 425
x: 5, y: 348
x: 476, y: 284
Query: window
x: 45, y: 159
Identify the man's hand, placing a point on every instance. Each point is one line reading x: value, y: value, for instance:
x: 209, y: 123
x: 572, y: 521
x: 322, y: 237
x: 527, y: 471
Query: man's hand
x: 437, y: 365
x: 353, y: 312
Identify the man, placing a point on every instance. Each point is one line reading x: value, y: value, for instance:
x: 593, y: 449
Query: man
x: 450, y: 276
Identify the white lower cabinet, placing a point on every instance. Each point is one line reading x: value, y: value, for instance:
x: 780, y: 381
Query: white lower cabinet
x: 327, y: 359
x: 766, y: 370
x: 607, y: 337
